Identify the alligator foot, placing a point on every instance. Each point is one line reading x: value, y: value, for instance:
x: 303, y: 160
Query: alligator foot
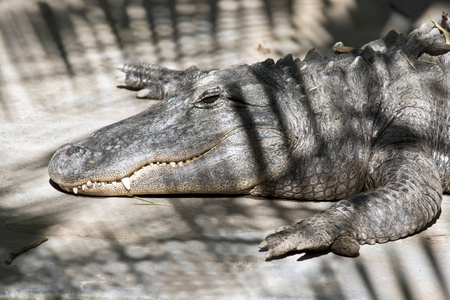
x: 309, y: 235
x: 151, y: 81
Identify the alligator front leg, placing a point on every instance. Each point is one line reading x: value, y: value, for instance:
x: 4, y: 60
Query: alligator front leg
x: 152, y: 81
x: 406, y: 196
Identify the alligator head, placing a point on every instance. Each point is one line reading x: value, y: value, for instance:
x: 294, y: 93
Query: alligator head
x: 223, y: 131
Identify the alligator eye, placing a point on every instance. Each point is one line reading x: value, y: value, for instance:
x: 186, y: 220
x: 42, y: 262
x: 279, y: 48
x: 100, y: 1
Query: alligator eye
x: 209, y: 98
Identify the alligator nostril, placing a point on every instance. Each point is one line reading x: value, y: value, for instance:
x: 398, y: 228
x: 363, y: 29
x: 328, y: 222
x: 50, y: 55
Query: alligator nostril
x: 72, y: 150
x: 69, y: 162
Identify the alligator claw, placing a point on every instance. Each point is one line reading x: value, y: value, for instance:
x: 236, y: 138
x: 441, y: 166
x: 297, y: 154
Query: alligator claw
x: 307, y: 236
x: 346, y: 246
x: 121, y: 79
x: 270, y: 254
x: 264, y: 245
x: 284, y: 240
x: 143, y: 93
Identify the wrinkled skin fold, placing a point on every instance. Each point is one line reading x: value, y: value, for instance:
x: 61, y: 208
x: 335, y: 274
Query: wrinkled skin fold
x: 370, y: 128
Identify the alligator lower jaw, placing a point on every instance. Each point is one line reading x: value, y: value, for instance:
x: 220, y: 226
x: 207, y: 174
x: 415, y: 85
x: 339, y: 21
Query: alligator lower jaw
x: 122, y: 186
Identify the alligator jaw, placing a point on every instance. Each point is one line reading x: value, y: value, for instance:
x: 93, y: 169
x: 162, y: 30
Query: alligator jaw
x: 124, y: 185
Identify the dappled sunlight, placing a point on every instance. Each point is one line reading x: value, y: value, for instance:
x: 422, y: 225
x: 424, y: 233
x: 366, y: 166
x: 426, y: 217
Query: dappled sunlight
x: 57, y: 85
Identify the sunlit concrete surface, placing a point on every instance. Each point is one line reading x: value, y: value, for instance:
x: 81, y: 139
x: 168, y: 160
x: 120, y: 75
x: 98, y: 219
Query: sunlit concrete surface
x: 57, y: 85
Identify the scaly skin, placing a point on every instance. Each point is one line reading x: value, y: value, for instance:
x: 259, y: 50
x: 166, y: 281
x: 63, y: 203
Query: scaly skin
x: 368, y: 127
x: 154, y: 82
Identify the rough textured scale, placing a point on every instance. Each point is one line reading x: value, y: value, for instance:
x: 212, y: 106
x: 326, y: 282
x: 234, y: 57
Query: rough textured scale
x: 368, y: 127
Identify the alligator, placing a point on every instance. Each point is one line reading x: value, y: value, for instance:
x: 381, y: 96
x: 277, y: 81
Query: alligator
x: 367, y: 127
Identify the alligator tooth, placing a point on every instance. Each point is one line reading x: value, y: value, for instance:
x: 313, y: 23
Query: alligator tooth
x: 172, y: 163
x: 143, y: 93
x: 103, y: 183
x: 180, y: 163
x: 121, y: 78
x: 163, y: 164
x: 75, y: 190
x: 151, y: 164
x: 114, y: 183
x: 99, y: 184
x: 126, y: 182
x: 89, y: 183
x: 83, y: 187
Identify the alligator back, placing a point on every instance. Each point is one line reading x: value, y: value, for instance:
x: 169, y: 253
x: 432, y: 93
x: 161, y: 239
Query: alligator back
x: 352, y: 105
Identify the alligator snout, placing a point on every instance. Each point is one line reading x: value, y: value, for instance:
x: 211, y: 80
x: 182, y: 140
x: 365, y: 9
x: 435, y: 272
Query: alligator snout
x: 67, y: 162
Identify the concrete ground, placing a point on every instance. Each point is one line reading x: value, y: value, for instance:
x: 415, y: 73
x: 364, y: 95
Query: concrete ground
x: 57, y: 85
